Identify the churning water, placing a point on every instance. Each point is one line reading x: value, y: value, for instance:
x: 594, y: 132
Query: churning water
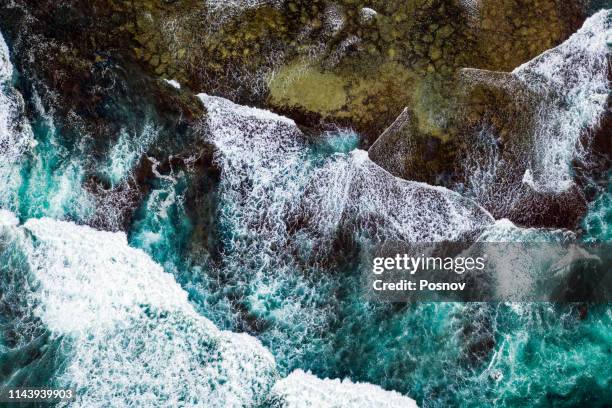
x: 149, y: 316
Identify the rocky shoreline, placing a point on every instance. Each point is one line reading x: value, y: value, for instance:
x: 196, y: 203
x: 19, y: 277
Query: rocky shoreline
x: 324, y: 64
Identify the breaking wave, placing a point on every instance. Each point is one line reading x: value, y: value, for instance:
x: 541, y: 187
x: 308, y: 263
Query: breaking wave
x: 296, y: 217
x: 125, y: 332
x: 573, y: 79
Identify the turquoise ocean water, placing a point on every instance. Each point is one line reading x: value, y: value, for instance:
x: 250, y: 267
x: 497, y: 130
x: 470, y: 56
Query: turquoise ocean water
x: 271, y: 275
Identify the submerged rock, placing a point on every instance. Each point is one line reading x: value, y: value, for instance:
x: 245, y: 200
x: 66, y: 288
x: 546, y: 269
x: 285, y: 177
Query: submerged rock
x: 513, y: 137
x: 321, y: 62
x: 366, y: 56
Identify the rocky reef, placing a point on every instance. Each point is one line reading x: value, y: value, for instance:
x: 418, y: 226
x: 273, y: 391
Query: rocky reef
x: 518, y: 137
x: 366, y: 65
x: 353, y: 62
x: 356, y: 64
x: 258, y: 151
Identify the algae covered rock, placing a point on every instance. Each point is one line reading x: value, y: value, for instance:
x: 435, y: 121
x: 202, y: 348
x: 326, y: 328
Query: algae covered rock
x: 353, y: 63
x: 510, y: 32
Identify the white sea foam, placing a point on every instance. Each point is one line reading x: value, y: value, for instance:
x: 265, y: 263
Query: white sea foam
x: 223, y: 10
x: 7, y: 218
x: 131, y: 338
x: 130, y: 334
x: 367, y: 14
x: 304, y: 390
x: 269, y: 154
x: 173, y: 83
x: 264, y: 172
x: 573, y: 79
x: 382, y: 207
x: 126, y: 152
x: 263, y: 165
x: 15, y: 134
x: 283, y: 206
x: 6, y: 68
x: 241, y: 4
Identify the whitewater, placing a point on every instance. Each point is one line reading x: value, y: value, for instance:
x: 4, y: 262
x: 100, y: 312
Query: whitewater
x: 111, y: 323
x: 142, y: 318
